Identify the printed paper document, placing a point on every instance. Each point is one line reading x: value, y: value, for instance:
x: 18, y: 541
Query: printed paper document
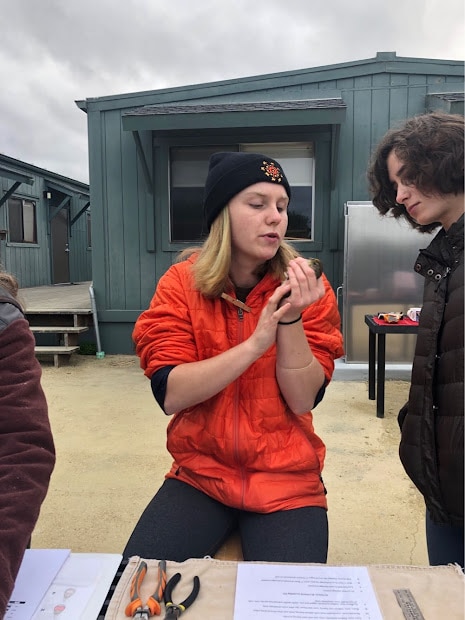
x: 55, y: 583
x: 298, y: 591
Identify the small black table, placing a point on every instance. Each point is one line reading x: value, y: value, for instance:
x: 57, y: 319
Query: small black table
x: 376, y: 329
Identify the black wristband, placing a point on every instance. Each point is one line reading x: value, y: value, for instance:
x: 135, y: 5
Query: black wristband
x: 290, y: 322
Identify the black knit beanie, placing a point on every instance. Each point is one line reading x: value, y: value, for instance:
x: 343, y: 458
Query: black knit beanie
x: 230, y: 173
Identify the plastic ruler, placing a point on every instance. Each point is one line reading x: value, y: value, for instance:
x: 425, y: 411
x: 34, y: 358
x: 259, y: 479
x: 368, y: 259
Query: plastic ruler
x: 408, y: 605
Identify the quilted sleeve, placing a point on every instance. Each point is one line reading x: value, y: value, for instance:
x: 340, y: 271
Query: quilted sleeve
x: 163, y: 333
x: 27, y: 451
x: 322, y: 324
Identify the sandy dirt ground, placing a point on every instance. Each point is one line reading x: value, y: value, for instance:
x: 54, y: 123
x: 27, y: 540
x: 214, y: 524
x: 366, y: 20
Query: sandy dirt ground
x: 111, y: 459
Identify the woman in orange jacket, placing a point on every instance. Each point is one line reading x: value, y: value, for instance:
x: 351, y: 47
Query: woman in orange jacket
x: 239, y: 343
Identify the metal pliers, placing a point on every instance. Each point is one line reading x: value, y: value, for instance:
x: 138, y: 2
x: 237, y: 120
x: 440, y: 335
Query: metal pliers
x: 174, y: 610
x: 136, y: 608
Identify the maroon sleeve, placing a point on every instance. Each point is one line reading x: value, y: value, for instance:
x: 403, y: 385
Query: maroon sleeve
x: 27, y: 453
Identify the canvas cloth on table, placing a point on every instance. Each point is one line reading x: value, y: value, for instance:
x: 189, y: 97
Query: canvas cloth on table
x: 438, y: 590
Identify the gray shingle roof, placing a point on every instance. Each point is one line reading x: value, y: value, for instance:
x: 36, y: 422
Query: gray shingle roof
x: 252, y: 106
x: 449, y: 96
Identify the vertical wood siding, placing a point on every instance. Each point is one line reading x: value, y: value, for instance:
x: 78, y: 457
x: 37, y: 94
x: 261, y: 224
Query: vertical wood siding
x: 31, y: 263
x: 129, y: 222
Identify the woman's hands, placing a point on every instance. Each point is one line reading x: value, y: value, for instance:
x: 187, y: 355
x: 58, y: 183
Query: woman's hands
x: 299, y: 374
x: 289, y: 300
x: 301, y: 289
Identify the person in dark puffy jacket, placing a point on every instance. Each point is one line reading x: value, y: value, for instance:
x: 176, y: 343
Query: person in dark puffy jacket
x: 27, y: 452
x: 417, y: 174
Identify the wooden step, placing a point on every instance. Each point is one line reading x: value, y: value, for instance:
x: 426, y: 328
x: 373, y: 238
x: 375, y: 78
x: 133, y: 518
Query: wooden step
x: 69, y: 335
x: 58, y: 329
x: 61, y: 354
x: 72, y: 318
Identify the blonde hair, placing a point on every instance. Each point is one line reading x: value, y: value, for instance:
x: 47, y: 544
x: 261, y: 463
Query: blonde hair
x: 211, y: 269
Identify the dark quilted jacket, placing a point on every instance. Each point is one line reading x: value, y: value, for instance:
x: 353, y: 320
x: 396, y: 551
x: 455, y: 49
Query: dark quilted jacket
x: 431, y: 447
x: 27, y: 453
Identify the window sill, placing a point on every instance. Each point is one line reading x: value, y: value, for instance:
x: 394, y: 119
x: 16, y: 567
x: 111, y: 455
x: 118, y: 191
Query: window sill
x: 18, y: 244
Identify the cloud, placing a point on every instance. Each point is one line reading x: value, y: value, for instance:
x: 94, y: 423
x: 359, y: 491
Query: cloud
x: 53, y: 53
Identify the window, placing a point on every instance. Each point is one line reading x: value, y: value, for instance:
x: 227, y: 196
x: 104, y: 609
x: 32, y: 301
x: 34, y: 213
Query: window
x: 22, y: 221
x: 188, y: 171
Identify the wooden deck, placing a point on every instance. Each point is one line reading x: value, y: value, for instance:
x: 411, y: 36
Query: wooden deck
x: 70, y: 297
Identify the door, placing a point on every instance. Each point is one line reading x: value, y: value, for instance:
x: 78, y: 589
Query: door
x: 60, y: 247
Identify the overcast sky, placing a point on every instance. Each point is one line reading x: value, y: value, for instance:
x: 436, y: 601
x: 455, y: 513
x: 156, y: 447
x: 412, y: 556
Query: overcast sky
x: 54, y: 52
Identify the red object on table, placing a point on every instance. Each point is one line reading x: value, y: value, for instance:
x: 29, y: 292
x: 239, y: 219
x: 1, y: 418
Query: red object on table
x: 404, y: 321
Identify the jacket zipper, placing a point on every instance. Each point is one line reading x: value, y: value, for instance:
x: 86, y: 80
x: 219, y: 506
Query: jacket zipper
x: 240, y: 337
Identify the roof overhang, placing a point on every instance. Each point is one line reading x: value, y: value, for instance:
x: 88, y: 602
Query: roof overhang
x: 68, y: 190
x: 451, y: 103
x: 289, y: 113
x: 15, y: 175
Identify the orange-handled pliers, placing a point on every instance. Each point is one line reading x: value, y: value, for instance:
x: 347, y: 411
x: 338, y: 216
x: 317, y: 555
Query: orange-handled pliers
x: 136, y: 608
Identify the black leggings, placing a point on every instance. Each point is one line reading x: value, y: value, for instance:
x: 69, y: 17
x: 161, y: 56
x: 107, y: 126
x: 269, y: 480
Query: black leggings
x: 181, y: 522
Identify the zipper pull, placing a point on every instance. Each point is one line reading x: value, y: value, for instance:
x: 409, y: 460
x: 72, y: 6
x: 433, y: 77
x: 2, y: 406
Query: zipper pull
x: 240, y: 314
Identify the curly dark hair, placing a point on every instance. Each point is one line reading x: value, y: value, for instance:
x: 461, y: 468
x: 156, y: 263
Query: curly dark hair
x: 431, y: 148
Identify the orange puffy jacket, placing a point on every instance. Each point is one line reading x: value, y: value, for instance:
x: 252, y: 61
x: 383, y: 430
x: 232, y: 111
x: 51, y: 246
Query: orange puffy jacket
x: 244, y: 447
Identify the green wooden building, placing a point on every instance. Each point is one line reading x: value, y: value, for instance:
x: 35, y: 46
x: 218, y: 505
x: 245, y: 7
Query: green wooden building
x: 44, y: 225
x: 148, y: 155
